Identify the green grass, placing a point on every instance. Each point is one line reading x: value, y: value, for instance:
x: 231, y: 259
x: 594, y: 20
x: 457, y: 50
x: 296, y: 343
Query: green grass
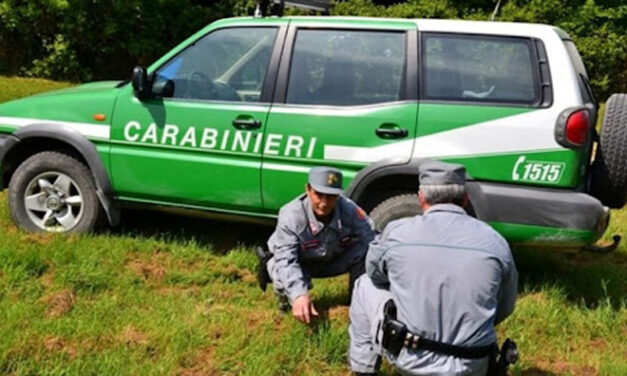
x: 164, y: 294
x: 17, y: 87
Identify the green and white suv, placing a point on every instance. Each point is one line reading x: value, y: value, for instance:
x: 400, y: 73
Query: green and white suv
x: 232, y: 119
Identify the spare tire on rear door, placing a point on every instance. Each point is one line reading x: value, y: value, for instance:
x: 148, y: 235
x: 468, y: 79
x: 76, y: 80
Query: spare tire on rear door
x: 609, y: 170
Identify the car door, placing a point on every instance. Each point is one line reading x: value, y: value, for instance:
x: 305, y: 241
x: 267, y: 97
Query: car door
x: 345, y: 97
x: 202, y: 146
x: 499, y: 88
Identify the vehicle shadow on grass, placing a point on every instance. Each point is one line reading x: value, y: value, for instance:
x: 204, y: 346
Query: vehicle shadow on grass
x: 588, y: 278
x: 219, y: 236
x: 593, y: 279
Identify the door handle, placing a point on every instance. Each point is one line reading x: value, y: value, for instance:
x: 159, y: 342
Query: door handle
x: 389, y: 133
x: 247, y: 124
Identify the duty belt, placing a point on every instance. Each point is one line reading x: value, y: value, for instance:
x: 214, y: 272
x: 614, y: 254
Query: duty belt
x: 415, y: 342
x: 396, y: 336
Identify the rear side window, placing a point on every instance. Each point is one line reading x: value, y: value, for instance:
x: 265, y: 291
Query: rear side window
x: 479, y: 69
x: 346, y: 68
x: 584, y: 84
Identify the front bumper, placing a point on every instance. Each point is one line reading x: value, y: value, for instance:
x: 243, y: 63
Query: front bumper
x: 531, y: 215
x: 6, y: 142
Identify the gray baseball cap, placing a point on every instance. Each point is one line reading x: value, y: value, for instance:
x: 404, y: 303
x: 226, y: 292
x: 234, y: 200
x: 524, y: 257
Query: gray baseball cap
x: 326, y: 180
x: 440, y: 173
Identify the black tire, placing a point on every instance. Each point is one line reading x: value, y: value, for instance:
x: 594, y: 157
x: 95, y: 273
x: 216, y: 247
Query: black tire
x: 82, y: 185
x: 395, y: 207
x: 609, y: 170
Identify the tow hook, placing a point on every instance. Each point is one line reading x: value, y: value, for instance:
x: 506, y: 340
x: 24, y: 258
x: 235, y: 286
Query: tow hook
x: 603, y: 248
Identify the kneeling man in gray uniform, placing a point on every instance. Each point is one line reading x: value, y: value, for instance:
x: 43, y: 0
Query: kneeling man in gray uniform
x: 436, y: 285
x: 319, y: 234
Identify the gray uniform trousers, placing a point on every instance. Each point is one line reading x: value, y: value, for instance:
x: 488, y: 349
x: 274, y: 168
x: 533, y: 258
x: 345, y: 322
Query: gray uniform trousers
x: 303, y: 248
x: 452, y: 278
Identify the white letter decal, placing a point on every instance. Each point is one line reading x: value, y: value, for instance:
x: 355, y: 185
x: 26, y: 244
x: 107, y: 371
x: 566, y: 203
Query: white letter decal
x: 273, y: 141
x: 258, y: 139
x: 312, y: 145
x: 209, y: 136
x: 241, y: 139
x: 294, y: 143
x: 127, y: 133
x: 225, y: 139
x: 169, y: 132
x: 189, y: 137
x: 151, y: 134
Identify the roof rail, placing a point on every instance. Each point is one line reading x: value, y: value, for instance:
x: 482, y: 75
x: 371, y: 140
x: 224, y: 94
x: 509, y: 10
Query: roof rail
x: 276, y: 7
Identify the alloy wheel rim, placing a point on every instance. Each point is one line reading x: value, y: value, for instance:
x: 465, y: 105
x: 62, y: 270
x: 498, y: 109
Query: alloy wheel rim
x: 54, y: 202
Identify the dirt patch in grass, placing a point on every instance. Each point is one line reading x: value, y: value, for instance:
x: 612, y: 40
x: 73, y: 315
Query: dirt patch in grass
x: 41, y: 239
x: 47, y: 278
x: 179, y: 291
x: 57, y: 344
x: 257, y: 317
x: 203, y: 364
x: 59, y: 303
x: 248, y: 277
x: 598, y: 344
x: 338, y: 313
x: 9, y: 229
x: 149, y: 270
x: 132, y: 336
x: 559, y: 367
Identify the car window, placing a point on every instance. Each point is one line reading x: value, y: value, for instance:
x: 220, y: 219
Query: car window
x: 584, y: 83
x: 479, y: 68
x: 226, y: 65
x: 344, y: 68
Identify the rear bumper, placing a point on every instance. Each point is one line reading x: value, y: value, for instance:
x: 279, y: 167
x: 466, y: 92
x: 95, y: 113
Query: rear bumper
x: 530, y: 215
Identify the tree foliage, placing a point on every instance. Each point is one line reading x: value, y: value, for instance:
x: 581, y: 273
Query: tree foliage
x: 82, y: 40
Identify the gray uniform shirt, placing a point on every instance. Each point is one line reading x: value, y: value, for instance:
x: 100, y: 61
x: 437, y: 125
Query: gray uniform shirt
x: 299, y: 238
x: 452, y: 278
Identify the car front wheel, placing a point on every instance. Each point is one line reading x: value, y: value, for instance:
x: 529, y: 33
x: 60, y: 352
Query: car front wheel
x: 53, y: 192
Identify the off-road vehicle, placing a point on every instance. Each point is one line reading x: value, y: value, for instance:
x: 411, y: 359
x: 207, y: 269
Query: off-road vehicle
x: 232, y: 119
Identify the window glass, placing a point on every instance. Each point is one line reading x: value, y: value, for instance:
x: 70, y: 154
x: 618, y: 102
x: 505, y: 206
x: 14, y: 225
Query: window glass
x: 226, y: 65
x: 344, y: 68
x: 475, y: 68
x: 584, y: 85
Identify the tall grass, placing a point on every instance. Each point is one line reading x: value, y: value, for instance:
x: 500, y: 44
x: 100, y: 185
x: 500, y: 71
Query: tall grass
x: 163, y: 294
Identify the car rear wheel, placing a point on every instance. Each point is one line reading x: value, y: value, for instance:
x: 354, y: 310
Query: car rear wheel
x: 395, y: 207
x: 609, y: 170
x: 53, y: 192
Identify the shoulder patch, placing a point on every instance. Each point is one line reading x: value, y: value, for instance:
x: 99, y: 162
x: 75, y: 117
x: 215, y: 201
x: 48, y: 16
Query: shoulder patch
x: 360, y: 212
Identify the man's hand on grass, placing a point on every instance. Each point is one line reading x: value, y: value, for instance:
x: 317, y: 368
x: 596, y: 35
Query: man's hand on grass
x: 303, y: 309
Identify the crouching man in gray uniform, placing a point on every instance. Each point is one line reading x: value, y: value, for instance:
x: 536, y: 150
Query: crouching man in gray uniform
x: 436, y: 285
x: 319, y: 234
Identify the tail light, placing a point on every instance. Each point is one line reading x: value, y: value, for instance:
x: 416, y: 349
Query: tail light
x: 573, y: 127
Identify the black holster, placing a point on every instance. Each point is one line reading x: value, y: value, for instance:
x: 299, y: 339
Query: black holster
x: 394, y: 331
x: 501, y: 359
x: 396, y: 335
x: 263, y: 254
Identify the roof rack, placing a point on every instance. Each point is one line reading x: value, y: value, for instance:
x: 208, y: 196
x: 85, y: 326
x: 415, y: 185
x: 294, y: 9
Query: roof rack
x: 276, y: 7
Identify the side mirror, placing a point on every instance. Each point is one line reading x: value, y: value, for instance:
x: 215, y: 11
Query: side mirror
x: 141, y: 84
x: 163, y: 89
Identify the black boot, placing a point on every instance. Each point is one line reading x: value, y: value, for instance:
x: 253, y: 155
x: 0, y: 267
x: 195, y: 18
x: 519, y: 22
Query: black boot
x: 262, y: 270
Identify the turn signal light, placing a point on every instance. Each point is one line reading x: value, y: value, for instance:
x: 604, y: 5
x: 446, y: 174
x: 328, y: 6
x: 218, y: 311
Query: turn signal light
x: 99, y: 117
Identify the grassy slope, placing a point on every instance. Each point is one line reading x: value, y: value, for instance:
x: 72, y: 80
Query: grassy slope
x: 171, y: 295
